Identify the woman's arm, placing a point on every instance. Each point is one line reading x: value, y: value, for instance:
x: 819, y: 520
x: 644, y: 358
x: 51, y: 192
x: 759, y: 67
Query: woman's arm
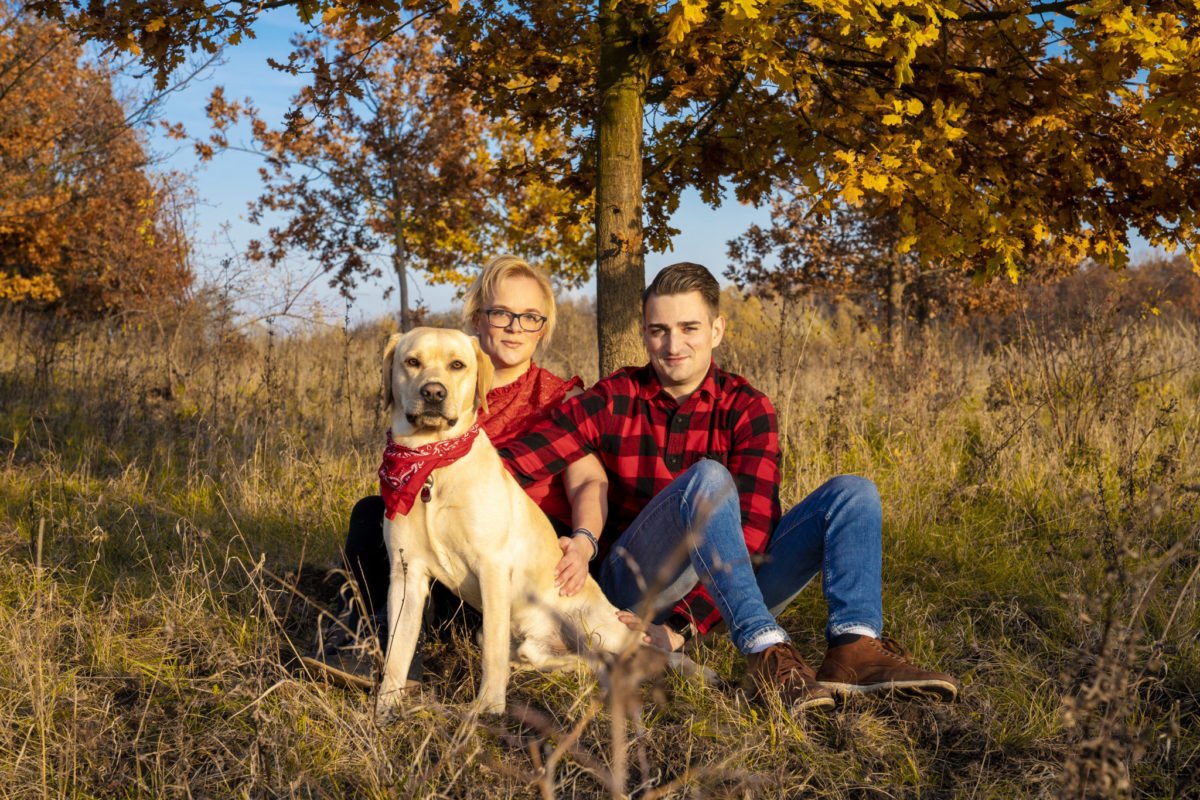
x: 586, y: 484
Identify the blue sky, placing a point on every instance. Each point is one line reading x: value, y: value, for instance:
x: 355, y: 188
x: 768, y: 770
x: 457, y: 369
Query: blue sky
x: 225, y: 185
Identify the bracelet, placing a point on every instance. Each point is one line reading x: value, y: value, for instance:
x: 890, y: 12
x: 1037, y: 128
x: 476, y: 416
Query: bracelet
x: 591, y: 537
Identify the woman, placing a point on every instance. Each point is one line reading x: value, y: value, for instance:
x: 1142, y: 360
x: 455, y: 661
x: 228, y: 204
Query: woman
x: 511, y: 308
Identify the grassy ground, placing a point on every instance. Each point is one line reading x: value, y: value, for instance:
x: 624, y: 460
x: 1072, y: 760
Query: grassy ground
x: 172, y: 496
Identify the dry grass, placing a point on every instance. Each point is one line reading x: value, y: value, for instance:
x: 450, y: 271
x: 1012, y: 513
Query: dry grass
x: 165, y: 490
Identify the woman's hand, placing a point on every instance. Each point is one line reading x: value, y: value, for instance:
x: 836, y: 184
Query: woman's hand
x: 659, y: 636
x: 572, y: 569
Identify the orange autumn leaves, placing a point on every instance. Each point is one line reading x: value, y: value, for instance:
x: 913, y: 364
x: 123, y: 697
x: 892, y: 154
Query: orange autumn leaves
x: 84, y: 227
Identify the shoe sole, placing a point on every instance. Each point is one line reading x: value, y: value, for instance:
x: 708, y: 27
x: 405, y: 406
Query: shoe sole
x: 815, y: 704
x: 942, y: 690
x: 754, y: 694
x: 339, y: 677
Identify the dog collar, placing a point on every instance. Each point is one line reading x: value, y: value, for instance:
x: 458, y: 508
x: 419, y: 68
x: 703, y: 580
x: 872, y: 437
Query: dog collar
x: 408, y: 471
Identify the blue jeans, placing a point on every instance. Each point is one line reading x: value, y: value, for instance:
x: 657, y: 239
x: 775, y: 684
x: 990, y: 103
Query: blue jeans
x: 691, y: 532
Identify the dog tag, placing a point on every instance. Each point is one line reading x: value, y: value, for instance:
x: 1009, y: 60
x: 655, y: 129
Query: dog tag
x: 427, y: 495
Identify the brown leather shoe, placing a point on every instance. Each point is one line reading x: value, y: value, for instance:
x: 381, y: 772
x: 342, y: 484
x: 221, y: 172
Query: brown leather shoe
x: 868, y: 665
x: 781, y: 668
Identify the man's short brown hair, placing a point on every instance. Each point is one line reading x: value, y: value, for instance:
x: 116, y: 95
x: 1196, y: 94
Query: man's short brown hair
x: 686, y: 277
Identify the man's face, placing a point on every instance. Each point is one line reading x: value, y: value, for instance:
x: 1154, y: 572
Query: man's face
x: 680, y: 333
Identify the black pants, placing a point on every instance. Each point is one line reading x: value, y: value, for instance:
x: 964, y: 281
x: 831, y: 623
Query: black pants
x: 368, y: 559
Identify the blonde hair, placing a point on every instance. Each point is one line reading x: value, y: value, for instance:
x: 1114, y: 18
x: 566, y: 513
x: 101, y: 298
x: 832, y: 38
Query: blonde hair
x: 480, y: 293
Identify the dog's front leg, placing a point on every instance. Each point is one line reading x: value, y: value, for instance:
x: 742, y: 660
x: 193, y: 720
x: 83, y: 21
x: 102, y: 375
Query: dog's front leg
x: 495, y: 584
x: 407, y: 592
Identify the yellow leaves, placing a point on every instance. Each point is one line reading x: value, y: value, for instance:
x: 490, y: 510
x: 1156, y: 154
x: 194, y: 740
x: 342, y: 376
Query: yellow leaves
x: 898, y: 109
x: 333, y: 13
x: 1118, y: 23
x: 19, y: 289
x: 129, y: 44
x: 1010, y: 267
x: 889, y: 161
x: 743, y: 9
x: 552, y: 83
x: 860, y: 176
x: 156, y: 24
x: 682, y: 18
x: 876, y: 182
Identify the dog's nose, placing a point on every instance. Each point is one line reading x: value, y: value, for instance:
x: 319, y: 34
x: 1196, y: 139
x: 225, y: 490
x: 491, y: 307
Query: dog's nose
x: 433, y: 392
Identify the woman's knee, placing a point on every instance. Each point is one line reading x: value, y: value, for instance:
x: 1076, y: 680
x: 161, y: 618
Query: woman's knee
x: 364, y: 537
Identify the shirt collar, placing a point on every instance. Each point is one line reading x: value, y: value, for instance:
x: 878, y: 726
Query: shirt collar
x: 649, y: 387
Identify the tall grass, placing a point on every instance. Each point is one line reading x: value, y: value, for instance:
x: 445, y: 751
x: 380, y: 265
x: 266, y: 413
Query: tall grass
x: 174, y: 493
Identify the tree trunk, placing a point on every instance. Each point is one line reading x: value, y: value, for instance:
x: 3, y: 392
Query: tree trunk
x: 398, y: 257
x: 620, y: 251
x: 402, y: 277
x: 895, y: 307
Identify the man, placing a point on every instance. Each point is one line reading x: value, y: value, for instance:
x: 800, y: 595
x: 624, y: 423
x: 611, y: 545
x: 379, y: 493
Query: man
x: 692, y: 457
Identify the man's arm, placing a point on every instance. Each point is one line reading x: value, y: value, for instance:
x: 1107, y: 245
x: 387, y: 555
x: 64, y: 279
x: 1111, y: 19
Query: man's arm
x: 754, y: 464
x: 569, y: 433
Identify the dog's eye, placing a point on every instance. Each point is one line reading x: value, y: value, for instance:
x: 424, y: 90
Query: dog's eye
x: 457, y: 365
x: 412, y: 362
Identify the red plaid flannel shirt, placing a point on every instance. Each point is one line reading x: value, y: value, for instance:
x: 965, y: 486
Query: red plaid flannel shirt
x: 645, y: 439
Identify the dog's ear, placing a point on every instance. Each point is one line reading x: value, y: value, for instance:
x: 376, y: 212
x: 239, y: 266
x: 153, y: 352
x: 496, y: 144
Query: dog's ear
x: 389, y: 353
x: 484, y: 374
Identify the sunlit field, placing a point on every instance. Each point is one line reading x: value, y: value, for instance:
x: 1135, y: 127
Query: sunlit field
x: 175, y: 489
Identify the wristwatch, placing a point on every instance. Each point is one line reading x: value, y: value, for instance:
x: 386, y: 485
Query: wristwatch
x: 681, y: 625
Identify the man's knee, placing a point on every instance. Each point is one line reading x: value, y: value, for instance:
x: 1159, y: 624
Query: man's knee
x: 711, y: 479
x: 856, y: 494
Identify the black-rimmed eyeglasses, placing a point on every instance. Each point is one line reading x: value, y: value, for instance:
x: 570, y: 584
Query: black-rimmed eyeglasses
x: 499, y: 318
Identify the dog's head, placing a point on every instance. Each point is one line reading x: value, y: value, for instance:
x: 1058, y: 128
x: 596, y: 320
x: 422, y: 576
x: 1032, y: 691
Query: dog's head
x: 436, y: 378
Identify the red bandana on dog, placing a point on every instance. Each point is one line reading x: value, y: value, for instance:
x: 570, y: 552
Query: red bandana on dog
x: 405, y: 469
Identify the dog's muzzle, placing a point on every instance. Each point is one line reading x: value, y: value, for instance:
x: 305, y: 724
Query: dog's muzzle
x: 429, y: 411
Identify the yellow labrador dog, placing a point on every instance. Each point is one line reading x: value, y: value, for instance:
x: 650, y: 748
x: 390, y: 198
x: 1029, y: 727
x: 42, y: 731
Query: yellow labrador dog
x: 461, y: 518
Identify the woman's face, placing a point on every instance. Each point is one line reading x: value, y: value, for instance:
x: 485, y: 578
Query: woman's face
x: 511, y: 346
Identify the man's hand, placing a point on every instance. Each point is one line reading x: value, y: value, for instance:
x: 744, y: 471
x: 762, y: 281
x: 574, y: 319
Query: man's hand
x: 659, y: 636
x: 572, y: 568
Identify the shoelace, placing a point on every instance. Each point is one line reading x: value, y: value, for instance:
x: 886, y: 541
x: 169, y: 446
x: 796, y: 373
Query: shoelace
x: 893, y: 648
x: 781, y: 660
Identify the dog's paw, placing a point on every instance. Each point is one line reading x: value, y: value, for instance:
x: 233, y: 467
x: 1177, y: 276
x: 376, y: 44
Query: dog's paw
x: 387, y: 705
x: 487, y: 705
x: 685, y: 666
